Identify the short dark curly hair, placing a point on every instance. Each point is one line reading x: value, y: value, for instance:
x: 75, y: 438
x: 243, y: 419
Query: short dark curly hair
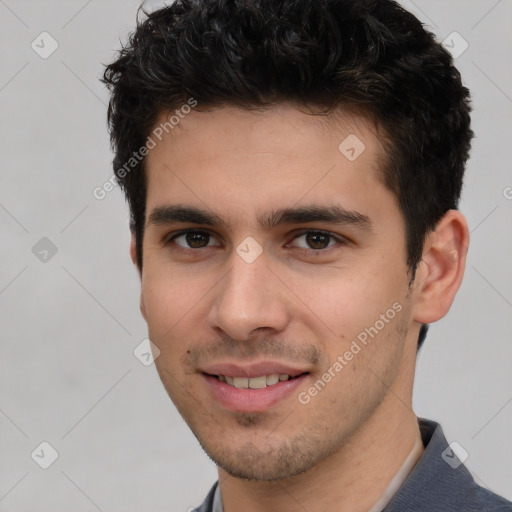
x: 368, y: 55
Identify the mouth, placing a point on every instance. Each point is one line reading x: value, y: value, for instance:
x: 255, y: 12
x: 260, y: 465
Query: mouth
x: 253, y: 389
x: 260, y: 382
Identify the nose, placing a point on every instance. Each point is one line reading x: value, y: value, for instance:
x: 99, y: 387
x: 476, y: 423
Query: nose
x: 250, y: 298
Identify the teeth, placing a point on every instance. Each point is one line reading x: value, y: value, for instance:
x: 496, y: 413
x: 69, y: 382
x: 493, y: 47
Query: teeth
x: 254, y: 382
x: 258, y: 382
x: 272, y: 379
x: 241, y: 382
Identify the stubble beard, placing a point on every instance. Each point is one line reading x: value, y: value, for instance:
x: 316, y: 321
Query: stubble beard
x: 278, y: 455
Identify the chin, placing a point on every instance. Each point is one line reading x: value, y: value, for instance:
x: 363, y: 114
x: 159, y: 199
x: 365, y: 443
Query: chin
x: 266, y: 462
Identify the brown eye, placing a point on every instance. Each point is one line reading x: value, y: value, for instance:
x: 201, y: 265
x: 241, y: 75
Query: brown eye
x: 315, y: 240
x: 197, y: 239
x: 193, y: 240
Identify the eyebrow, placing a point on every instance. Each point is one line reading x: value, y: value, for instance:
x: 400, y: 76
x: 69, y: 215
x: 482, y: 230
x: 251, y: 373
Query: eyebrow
x: 314, y: 213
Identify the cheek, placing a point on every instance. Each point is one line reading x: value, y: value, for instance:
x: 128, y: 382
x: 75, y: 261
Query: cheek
x: 365, y: 307
x: 166, y: 301
x: 362, y: 297
x: 175, y: 302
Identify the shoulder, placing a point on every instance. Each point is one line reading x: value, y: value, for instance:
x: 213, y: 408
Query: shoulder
x: 441, y: 482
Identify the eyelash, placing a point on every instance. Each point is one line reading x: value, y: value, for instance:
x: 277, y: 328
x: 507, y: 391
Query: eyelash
x: 308, y: 252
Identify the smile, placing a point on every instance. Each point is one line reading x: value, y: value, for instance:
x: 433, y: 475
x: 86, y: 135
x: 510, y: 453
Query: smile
x: 260, y: 382
x: 257, y: 393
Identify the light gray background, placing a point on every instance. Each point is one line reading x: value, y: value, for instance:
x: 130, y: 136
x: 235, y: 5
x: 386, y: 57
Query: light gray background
x: 69, y: 325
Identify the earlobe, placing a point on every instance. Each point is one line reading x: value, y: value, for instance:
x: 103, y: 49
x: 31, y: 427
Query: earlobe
x: 440, y: 272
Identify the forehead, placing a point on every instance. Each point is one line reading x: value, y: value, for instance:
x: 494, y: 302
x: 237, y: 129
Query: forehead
x: 281, y: 128
x: 279, y: 156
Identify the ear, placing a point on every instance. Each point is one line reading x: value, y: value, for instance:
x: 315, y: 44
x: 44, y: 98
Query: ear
x: 133, y: 256
x: 439, y: 274
x: 133, y: 251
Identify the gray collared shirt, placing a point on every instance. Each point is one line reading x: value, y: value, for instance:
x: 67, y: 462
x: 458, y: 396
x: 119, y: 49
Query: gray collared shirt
x: 438, y: 482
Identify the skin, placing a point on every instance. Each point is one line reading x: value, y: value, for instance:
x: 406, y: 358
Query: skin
x: 295, y: 304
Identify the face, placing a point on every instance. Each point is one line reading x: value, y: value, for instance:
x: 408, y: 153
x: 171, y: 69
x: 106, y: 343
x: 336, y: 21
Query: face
x: 274, y: 284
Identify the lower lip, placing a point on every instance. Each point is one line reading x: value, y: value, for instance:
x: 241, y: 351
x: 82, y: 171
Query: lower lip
x: 252, y: 400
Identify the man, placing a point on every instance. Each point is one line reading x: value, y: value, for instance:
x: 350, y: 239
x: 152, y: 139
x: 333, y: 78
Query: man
x: 293, y: 171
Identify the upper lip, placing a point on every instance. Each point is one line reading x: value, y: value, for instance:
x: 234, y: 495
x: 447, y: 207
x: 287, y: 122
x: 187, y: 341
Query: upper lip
x: 252, y: 370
